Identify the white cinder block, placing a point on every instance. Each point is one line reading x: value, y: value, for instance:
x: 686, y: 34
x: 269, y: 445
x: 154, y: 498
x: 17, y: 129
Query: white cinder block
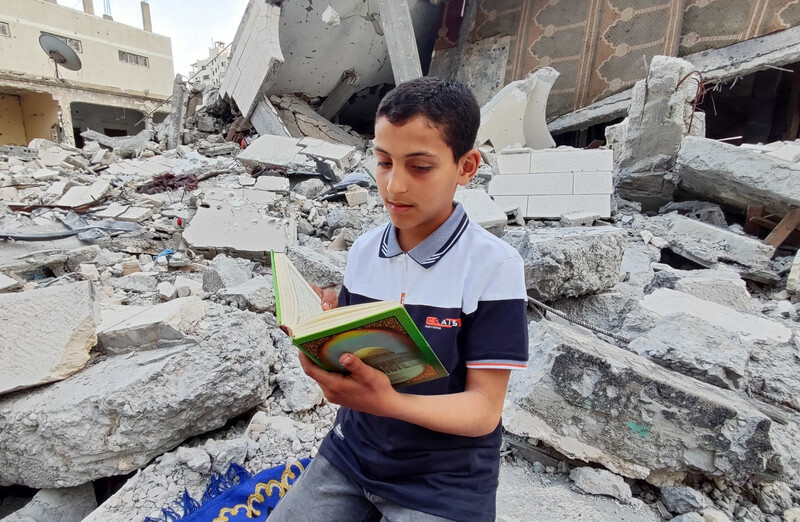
x: 593, y: 183
x: 508, y: 203
x: 553, y: 206
x: 531, y: 184
x: 789, y: 152
x: 514, y: 162
x: 572, y: 160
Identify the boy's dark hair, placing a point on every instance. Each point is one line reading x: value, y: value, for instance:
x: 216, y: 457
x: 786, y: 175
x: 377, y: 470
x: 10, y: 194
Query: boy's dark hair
x: 447, y: 104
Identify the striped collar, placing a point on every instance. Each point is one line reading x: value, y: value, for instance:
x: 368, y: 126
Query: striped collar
x: 432, y: 247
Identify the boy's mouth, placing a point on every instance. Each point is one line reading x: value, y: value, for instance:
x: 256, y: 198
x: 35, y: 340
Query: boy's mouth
x: 398, y: 207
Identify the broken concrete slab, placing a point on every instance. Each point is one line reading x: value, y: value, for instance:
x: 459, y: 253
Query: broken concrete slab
x: 84, y: 194
x: 118, y: 415
x: 53, y: 156
x: 749, y: 328
x: 660, y: 115
x: 516, y: 114
x: 481, y: 209
x: 255, y: 294
x: 691, y: 346
x: 57, y: 505
x: 598, y: 403
x: 270, y: 151
x: 185, y: 287
x: 8, y: 283
x: 244, y: 229
x: 787, y: 152
x: 303, y: 121
x: 738, y: 177
x: 134, y: 328
x: 793, y: 280
x: 708, y: 245
x: 721, y: 286
x: 568, y: 262
x: 46, y: 335
x: 344, y: 156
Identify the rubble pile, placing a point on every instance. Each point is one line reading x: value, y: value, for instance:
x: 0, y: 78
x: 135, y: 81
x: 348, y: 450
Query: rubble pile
x: 139, y: 316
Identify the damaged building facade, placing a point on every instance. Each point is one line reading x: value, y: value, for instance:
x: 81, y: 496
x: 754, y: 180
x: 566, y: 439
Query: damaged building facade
x: 125, y: 74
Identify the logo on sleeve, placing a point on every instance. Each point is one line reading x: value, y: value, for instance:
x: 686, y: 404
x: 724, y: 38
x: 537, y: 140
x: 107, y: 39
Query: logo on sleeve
x: 438, y: 324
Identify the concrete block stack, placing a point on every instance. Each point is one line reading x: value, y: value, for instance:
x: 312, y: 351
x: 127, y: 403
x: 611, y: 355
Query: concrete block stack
x: 549, y: 183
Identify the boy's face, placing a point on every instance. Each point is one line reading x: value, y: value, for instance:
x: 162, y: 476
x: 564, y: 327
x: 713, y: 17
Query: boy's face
x: 417, y: 176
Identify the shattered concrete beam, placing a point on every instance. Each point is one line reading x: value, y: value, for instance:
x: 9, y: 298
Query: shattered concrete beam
x: 716, y: 65
x: 347, y: 86
x: 179, y: 98
x: 400, y: 40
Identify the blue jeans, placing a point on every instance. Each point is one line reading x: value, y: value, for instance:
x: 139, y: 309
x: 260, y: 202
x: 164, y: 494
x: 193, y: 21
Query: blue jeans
x: 323, y: 493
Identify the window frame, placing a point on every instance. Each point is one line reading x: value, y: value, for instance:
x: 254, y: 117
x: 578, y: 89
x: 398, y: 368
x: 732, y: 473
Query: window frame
x: 7, y: 32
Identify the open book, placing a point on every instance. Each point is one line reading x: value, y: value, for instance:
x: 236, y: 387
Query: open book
x: 381, y: 334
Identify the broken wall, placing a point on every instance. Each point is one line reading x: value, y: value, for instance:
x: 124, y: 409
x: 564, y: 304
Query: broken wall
x: 598, y: 47
x: 39, y: 114
x: 12, y: 130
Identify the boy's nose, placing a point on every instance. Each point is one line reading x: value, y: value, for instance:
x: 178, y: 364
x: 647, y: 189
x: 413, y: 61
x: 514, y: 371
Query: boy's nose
x: 397, y: 181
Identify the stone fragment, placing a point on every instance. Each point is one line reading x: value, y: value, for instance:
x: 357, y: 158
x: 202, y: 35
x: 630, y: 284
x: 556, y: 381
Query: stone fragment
x: 226, y: 272
x: 356, y: 195
x: 46, y: 334
x: 482, y: 210
x: 569, y: 262
x: 316, y: 267
x: 660, y: 115
x: 601, y: 482
x: 692, y: 516
x: 773, y: 498
x: 737, y: 177
x: 789, y: 152
x: 130, y: 267
x: 749, y: 328
x: 225, y: 452
x: 693, y: 347
x: 45, y: 175
x: 89, y: 271
x: 344, y: 156
x: 598, y: 403
x: 139, y: 282
x: 185, y: 287
x: 8, y: 283
x: 300, y: 391
x: 714, y: 515
x: 112, y: 211
x: 579, y: 218
x: 57, y: 505
x: 119, y: 414
x: 166, y: 291
x: 682, y: 499
x: 310, y: 187
x: 84, y: 194
x: 197, y: 459
x: 793, y: 280
x: 273, y: 184
x: 255, y: 294
x: 53, y: 156
x: 136, y: 214
x: 128, y: 328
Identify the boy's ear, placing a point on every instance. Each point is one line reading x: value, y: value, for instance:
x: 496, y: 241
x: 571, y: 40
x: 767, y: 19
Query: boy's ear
x: 469, y: 166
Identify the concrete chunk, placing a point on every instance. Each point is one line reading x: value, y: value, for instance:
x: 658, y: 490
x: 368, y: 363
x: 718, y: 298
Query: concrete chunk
x: 568, y: 262
x: 601, y: 482
x: 129, y: 328
x: 57, y: 505
x: 344, y: 156
x: 482, y: 210
x: 270, y: 150
x: 596, y: 402
x: 273, y: 184
x: 46, y: 335
x: 225, y: 272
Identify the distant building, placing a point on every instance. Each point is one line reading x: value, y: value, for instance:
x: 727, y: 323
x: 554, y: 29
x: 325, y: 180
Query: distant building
x: 126, y: 73
x: 211, y: 70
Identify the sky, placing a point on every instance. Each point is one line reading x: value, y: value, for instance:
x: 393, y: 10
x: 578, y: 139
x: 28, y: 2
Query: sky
x: 192, y: 25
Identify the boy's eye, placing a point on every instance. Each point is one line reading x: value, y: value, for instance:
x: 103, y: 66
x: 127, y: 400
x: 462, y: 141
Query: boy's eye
x: 421, y: 168
x: 384, y: 164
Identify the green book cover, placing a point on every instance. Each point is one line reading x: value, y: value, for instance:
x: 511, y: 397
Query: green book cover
x: 381, y: 334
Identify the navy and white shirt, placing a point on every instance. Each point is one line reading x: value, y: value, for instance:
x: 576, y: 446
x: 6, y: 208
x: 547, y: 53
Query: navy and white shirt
x: 465, y: 290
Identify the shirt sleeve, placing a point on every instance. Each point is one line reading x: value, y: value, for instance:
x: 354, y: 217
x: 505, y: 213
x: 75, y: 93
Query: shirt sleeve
x: 497, y: 330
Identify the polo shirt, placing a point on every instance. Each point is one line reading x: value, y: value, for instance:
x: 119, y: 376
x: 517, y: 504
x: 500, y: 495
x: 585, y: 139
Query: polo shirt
x: 465, y: 290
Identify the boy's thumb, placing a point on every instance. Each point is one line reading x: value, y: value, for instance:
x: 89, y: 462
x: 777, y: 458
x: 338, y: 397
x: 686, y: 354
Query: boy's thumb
x: 351, y: 362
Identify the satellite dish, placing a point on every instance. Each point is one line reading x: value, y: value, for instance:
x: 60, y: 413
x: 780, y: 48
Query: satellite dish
x: 61, y: 53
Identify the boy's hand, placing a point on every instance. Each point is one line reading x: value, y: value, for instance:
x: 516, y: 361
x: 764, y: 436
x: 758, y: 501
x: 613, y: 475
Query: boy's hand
x: 365, y: 389
x: 328, y: 295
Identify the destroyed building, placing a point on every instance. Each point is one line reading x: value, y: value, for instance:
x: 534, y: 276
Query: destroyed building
x: 142, y: 356
x: 116, y: 87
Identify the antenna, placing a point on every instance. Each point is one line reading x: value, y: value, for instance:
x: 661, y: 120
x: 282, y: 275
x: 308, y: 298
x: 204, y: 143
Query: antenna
x: 61, y: 53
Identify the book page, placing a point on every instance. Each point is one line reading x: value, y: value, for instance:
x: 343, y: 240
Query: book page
x: 297, y: 300
x: 341, y: 316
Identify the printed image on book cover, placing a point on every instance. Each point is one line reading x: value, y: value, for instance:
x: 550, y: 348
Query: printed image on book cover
x: 384, y: 345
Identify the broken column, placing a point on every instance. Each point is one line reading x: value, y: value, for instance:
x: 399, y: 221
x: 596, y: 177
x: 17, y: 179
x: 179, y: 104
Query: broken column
x: 646, y: 143
x: 398, y: 30
x: 179, y: 98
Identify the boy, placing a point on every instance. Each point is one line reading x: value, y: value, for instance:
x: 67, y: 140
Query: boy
x: 429, y: 451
